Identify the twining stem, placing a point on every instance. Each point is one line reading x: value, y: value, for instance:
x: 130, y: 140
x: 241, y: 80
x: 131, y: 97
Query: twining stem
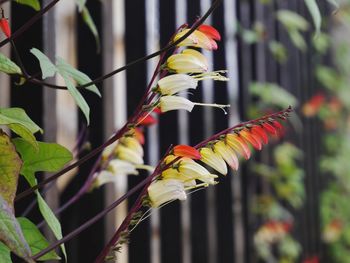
x: 29, y: 23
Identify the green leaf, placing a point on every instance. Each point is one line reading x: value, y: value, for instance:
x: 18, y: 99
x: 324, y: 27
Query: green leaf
x: 272, y: 94
x: 11, y: 234
x: 51, y: 220
x: 315, y: 14
x: 5, y: 254
x: 91, y: 24
x: 8, y: 66
x: 35, y: 4
x: 50, y: 158
x: 80, y: 4
x: 10, y: 166
x: 79, y: 99
x: 278, y: 50
x: 36, y: 241
x: 80, y: 77
x: 25, y: 134
x: 48, y: 69
x: 292, y: 21
x: 18, y: 116
x: 297, y: 39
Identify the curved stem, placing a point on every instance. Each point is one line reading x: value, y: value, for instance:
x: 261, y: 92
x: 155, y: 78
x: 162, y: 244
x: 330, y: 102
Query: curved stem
x: 29, y: 23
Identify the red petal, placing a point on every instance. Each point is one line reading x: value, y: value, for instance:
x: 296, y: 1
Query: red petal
x: 277, y: 125
x: 269, y: 128
x: 5, y: 27
x: 253, y: 140
x: 258, y: 131
x: 210, y: 32
x: 146, y: 120
x: 157, y: 110
x: 238, y: 144
x: 186, y: 151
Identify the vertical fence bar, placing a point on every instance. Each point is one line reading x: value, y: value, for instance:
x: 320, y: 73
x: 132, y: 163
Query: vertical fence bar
x: 135, y: 36
x: 114, y: 102
x: 66, y: 109
x: 50, y: 102
x: 183, y: 130
x: 198, y: 202
x: 208, y: 127
x: 231, y: 59
x: 152, y: 44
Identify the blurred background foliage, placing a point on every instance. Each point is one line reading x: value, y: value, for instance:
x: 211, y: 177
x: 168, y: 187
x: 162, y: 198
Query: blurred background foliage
x: 282, y: 176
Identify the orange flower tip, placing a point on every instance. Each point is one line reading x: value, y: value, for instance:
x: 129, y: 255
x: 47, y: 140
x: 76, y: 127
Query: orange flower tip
x: 252, y: 139
x: 186, y: 151
x: 210, y: 32
x: 139, y: 136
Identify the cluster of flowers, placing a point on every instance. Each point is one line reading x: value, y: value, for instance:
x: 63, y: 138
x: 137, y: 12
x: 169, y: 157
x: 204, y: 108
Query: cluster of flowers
x: 121, y: 158
x: 326, y: 107
x: 183, y: 169
x: 186, y: 69
x: 272, y: 232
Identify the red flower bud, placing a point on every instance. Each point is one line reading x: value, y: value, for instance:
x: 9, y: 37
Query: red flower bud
x: 4, y: 24
x: 210, y: 32
x: 186, y: 151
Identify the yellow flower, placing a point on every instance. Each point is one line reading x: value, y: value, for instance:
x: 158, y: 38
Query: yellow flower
x: 132, y: 143
x: 120, y: 167
x: 227, y: 153
x: 163, y: 191
x: 175, y: 83
x: 214, y: 160
x: 129, y: 155
x: 189, y: 61
x: 188, y: 170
